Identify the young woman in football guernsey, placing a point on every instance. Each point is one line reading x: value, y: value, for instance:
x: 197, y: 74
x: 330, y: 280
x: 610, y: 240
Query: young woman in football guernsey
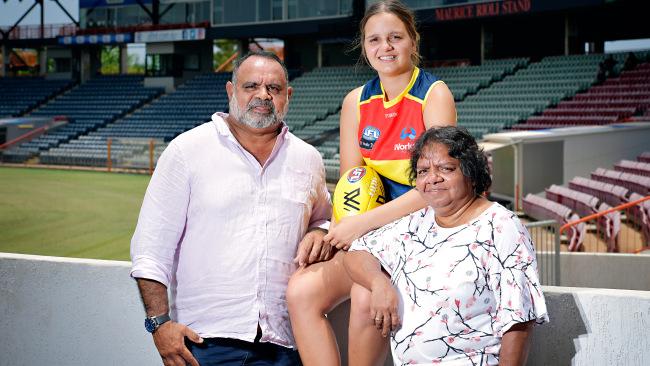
x: 380, y: 122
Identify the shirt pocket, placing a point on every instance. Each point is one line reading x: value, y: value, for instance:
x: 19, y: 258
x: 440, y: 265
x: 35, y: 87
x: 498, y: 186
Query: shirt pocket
x: 297, y: 187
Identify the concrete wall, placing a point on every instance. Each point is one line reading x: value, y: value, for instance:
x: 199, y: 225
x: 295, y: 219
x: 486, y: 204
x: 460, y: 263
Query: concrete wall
x: 60, y: 311
x: 605, y: 270
x: 593, y: 327
x: 547, y: 154
x: 583, y: 153
x: 166, y: 82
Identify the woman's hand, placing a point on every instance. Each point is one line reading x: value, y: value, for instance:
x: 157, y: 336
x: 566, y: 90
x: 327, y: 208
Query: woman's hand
x: 343, y: 233
x: 384, y: 303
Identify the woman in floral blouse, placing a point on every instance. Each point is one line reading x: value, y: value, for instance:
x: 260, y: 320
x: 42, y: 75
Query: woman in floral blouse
x: 463, y: 287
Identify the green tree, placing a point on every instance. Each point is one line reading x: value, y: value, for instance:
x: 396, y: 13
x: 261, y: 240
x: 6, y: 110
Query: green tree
x: 110, y: 56
x: 222, y: 50
x: 134, y: 65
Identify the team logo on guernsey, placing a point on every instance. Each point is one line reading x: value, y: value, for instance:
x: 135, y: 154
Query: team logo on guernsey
x: 368, y: 138
x: 356, y: 174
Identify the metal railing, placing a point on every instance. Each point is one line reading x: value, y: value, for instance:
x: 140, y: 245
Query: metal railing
x: 49, y: 31
x: 132, y: 153
x: 546, y: 238
x: 622, y: 229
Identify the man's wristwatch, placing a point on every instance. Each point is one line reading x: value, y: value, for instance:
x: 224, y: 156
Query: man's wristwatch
x: 151, y: 323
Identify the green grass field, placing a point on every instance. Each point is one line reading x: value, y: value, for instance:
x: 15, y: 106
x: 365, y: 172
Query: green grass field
x: 69, y: 213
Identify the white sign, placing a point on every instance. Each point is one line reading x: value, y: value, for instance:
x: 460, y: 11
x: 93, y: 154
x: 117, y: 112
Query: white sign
x: 190, y: 34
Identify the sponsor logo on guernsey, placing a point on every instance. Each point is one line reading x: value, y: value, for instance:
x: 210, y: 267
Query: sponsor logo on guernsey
x: 408, y: 132
x: 403, y: 147
x: 369, y: 136
x: 390, y: 115
x: 356, y: 174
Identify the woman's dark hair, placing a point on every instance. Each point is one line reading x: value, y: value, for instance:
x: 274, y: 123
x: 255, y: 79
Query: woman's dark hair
x: 403, y: 13
x: 462, y: 146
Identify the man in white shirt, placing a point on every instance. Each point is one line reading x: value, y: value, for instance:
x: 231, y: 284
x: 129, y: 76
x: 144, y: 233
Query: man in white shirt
x: 228, y: 207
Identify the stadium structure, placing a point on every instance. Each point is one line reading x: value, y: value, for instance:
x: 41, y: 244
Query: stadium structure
x: 565, y: 123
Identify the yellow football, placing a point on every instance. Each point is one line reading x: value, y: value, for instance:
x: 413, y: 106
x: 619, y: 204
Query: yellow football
x: 360, y: 189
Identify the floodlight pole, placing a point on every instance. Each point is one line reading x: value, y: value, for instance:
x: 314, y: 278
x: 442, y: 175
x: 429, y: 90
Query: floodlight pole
x: 42, y: 18
x: 155, y: 9
x: 154, y: 13
x: 168, y: 8
x: 42, y: 54
x: 66, y: 12
x: 5, y: 54
x: 5, y: 58
x: 22, y: 17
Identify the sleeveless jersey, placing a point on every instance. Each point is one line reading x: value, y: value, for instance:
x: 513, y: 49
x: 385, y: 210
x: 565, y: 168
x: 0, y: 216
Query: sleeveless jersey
x: 388, y: 129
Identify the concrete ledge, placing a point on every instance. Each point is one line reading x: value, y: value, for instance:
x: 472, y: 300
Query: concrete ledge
x: 65, y: 311
x: 605, y: 270
x: 593, y: 327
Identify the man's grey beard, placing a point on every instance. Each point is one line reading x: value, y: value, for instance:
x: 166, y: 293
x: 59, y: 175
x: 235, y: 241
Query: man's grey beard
x: 252, y: 119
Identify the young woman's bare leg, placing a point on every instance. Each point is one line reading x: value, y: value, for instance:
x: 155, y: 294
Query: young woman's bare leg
x: 366, y: 346
x: 314, y: 291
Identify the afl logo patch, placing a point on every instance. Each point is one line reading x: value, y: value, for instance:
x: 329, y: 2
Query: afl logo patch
x: 369, y: 136
x: 356, y: 174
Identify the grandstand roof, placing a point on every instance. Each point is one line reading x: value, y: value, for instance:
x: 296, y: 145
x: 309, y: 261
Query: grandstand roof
x: 509, y: 137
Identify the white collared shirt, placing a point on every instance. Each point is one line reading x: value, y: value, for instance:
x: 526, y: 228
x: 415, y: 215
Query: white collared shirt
x: 221, y: 231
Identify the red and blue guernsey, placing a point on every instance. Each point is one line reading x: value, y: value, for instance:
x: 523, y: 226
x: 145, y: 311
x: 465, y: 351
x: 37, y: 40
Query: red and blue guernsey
x: 388, y: 129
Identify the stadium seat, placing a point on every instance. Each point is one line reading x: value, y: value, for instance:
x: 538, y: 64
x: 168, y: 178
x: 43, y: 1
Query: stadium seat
x: 615, y: 100
x: 88, y: 106
x: 544, y: 209
x: 584, y: 205
x: 160, y: 120
x: 634, y: 167
x: 22, y: 94
x: 644, y: 157
x: 635, y: 183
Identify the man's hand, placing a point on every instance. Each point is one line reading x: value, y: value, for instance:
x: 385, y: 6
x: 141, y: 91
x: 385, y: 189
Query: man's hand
x: 169, y: 339
x: 313, y: 249
x: 384, y: 302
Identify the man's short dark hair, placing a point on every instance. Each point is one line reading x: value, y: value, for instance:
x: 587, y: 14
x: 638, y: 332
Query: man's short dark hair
x: 264, y: 54
x: 461, y: 145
